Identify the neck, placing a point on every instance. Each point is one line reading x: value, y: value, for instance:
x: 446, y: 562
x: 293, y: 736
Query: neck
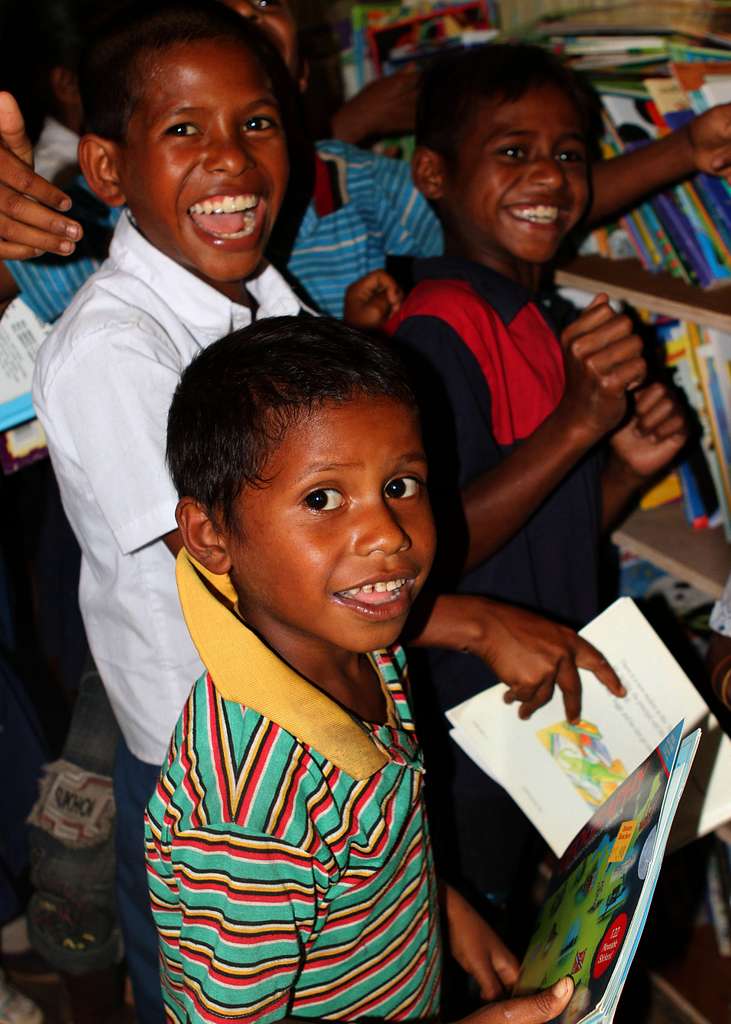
x: 529, y: 275
x: 346, y: 676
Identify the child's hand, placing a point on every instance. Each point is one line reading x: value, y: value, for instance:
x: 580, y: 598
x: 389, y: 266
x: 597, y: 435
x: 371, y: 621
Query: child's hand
x: 602, y: 360
x: 710, y: 140
x: 533, y: 655
x: 28, y: 228
x: 530, y: 654
x: 654, y: 435
x: 477, y: 947
x: 540, y: 1008
x: 372, y: 300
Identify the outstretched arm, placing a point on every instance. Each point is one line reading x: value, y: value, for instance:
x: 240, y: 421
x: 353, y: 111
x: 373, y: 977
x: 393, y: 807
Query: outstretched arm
x: 30, y: 221
x: 704, y: 144
x: 530, y: 654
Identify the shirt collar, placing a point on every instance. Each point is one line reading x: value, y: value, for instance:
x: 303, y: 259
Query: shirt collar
x: 505, y: 296
x: 208, y: 313
x: 267, y: 684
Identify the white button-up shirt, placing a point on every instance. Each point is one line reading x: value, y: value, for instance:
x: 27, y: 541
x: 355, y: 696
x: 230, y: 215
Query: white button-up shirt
x: 103, y: 383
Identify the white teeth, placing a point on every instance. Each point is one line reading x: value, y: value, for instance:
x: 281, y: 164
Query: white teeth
x: 381, y: 587
x: 225, y: 204
x: 538, y: 214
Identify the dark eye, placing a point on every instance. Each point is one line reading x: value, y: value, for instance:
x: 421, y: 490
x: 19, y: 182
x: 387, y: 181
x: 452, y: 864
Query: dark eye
x: 571, y: 156
x: 401, y: 487
x: 513, y: 152
x: 324, y: 500
x: 181, y: 130
x: 259, y: 124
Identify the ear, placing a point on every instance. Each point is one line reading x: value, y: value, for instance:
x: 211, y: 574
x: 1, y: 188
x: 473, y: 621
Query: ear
x: 101, y: 162
x: 428, y: 172
x: 202, y: 538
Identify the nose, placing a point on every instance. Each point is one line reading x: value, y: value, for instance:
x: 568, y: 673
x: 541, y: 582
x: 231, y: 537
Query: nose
x: 548, y: 171
x: 379, y: 530
x: 228, y: 152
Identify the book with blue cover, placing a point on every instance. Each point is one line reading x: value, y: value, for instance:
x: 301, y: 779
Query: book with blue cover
x: 600, y: 893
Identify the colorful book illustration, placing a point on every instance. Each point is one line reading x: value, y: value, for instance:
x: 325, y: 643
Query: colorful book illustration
x: 21, y: 335
x: 618, y: 734
x: 599, y: 897
x: 580, y: 752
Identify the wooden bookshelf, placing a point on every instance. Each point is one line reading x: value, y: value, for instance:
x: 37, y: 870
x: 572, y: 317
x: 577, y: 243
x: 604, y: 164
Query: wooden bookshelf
x: 662, y: 536
x: 661, y: 293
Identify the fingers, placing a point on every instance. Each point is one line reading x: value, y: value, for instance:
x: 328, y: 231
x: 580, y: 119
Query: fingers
x: 506, y: 966
x: 596, y: 313
x: 490, y: 985
x: 12, y: 129
x: 657, y: 413
x: 540, y: 1008
x: 569, y: 683
x: 590, y: 658
x: 541, y: 696
x: 29, y: 223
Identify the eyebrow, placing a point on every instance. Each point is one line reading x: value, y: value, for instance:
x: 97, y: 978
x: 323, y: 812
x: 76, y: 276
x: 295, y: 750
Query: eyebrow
x: 517, y: 133
x: 192, y: 108
x: 328, y: 467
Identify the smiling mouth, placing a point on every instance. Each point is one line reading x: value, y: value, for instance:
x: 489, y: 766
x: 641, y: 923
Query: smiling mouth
x: 226, y: 216
x: 376, y: 594
x: 536, y: 214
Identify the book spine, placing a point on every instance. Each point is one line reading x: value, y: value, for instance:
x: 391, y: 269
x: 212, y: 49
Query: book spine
x: 682, y: 235
x: 688, y: 202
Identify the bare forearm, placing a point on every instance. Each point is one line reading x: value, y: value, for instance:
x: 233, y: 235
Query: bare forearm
x: 623, y: 181
x: 620, y: 487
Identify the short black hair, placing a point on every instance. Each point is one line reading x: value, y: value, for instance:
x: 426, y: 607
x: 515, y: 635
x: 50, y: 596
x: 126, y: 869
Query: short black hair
x: 505, y: 71
x: 238, y: 398
x: 112, y: 68
x: 59, y: 30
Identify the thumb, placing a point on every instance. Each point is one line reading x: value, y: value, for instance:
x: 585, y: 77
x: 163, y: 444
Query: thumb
x: 540, y: 1008
x: 12, y: 129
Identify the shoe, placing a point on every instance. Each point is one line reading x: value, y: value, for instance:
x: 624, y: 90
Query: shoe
x: 15, y: 1008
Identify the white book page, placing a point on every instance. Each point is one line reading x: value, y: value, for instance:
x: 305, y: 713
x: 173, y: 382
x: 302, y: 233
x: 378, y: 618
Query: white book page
x: 558, y: 774
x: 21, y: 335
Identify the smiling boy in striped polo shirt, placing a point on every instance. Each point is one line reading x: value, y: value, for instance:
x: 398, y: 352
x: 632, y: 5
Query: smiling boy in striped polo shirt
x: 288, y: 854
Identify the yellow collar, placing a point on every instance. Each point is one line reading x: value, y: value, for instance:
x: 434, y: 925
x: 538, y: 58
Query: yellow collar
x: 245, y: 670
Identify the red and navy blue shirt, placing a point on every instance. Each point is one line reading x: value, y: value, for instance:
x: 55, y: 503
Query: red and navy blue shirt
x: 489, y: 370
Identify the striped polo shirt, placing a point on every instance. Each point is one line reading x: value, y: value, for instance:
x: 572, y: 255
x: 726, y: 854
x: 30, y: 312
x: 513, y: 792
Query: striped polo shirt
x: 289, y: 862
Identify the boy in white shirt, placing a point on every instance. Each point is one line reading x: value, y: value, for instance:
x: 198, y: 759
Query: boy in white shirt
x: 210, y: 134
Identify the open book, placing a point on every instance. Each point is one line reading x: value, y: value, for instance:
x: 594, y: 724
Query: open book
x: 21, y: 335
x: 559, y: 773
x: 600, y: 893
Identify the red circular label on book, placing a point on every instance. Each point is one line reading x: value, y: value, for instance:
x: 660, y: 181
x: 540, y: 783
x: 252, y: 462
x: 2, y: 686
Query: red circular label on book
x: 610, y: 945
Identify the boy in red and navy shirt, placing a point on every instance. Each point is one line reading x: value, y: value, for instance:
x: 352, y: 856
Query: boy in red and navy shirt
x: 514, y: 407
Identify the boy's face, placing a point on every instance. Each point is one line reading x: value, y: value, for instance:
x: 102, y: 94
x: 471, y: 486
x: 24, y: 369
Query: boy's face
x: 519, y: 182
x: 330, y: 553
x: 204, y: 166
x: 276, y: 19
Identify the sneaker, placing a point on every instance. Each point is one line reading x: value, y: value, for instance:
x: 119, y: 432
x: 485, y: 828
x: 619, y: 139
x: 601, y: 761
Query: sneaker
x: 15, y: 1008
